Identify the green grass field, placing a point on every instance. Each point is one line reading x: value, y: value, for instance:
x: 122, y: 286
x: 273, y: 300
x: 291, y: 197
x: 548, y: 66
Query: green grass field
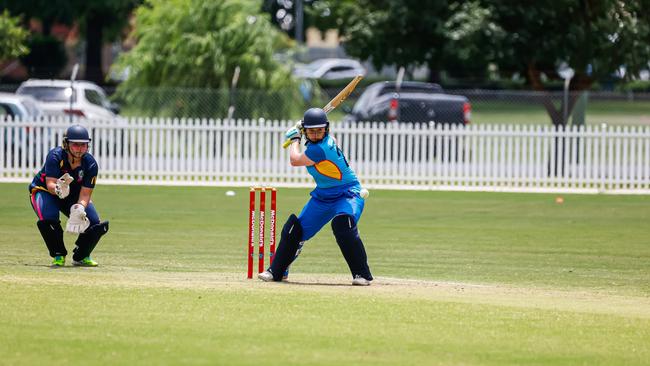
x: 461, y: 279
x: 616, y: 113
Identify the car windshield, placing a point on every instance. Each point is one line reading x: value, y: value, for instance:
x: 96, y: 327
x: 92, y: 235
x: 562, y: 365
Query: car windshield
x: 366, y: 97
x: 48, y: 93
x: 316, y: 65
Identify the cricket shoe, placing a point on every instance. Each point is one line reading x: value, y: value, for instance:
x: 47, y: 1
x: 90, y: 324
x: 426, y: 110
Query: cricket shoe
x: 58, y: 261
x: 86, y: 262
x: 266, y: 276
x: 360, y: 281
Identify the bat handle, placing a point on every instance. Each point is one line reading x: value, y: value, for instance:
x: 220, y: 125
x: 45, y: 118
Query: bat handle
x: 286, y: 143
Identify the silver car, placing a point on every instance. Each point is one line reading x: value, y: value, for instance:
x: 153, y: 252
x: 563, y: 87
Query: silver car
x: 23, y: 107
x: 330, y: 69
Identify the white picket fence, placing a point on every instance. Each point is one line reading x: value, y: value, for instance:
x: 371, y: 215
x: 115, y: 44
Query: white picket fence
x: 392, y: 156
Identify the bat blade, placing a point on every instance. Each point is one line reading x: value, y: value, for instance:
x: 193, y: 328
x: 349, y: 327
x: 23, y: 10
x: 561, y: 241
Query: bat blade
x: 343, y: 94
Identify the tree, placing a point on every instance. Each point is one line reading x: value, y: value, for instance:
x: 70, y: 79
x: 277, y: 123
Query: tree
x: 100, y: 21
x: 200, y: 43
x: 46, y: 58
x: 400, y: 32
x: 47, y: 11
x: 12, y: 37
x: 594, y: 37
x: 284, y: 15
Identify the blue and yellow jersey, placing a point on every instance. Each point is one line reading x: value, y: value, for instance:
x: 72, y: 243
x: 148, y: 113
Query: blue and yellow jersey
x: 56, y: 164
x: 331, y: 172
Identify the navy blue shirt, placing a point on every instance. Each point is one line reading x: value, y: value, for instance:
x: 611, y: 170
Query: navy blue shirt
x: 57, y: 164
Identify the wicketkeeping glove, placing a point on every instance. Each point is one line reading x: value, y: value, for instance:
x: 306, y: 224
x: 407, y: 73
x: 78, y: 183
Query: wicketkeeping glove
x: 62, y: 187
x: 77, y: 222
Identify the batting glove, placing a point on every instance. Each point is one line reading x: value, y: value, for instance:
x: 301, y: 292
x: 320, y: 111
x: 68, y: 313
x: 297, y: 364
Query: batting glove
x: 294, y: 133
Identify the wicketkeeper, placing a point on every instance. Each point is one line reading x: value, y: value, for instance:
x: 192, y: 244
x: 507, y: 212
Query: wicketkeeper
x: 336, y: 198
x: 65, y: 184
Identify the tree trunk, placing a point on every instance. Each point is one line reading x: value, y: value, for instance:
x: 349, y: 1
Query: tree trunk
x: 94, y: 40
x: 579, y: 83
x: 46, y: 24
x: 536, y: 83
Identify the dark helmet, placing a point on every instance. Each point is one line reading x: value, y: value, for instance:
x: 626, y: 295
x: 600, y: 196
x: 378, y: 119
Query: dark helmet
x: 314, y: 118
x: 75, y: 133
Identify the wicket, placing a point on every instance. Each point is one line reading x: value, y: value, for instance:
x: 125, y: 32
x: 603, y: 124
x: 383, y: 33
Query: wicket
x: 262, y: 224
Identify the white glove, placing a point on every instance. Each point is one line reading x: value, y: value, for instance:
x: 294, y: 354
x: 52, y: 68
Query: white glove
x: 77, y: 222
x: 62, y: 187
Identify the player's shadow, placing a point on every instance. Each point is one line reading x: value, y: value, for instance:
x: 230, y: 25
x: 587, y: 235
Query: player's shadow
x: 307, y: 283
x: 54, y: 268
x: 40, y: 265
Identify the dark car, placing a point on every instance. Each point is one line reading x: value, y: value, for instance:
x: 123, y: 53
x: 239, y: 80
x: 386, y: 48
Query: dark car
x: 415, y: 102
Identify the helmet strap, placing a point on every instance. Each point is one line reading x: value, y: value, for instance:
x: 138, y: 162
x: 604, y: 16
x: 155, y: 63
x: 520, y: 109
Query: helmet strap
x: 74, y: 158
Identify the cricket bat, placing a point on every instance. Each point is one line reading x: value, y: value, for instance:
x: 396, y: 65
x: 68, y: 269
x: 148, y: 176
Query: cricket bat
x: 336, y: 101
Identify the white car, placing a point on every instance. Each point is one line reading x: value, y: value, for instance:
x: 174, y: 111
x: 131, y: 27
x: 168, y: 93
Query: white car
x: 88, y: 99
x: 330, y: 69
x: 23, y: 107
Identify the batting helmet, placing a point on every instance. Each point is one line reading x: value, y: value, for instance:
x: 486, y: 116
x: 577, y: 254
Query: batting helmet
x: 315, y: 118
x: 75, y: 133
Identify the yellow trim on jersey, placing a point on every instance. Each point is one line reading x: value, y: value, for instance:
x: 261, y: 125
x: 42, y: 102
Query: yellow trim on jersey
x: 39, y: 188
x: 92, y: 181
x: 329, y: 169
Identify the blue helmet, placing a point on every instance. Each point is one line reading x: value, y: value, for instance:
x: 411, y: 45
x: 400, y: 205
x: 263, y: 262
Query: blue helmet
x: 75, y: 133
x: 314, y: 118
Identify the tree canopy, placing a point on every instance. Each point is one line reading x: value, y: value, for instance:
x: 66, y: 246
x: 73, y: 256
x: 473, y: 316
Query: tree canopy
x: 593, y: 37
x: 199, y: 43
x: 191, y: 44
x: 12, y: 37
x: 99, y: 20
x: 440, y: 34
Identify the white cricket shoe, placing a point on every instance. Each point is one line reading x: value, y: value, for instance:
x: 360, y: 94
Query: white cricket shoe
x: 266, y: 276
x: 360, y: 281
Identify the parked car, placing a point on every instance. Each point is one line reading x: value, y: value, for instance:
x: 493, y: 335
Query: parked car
x: 415, y: 102
x: 88, y: 99
x: 23, y: 108
x: 330, y: 69
x: 19, y: 106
